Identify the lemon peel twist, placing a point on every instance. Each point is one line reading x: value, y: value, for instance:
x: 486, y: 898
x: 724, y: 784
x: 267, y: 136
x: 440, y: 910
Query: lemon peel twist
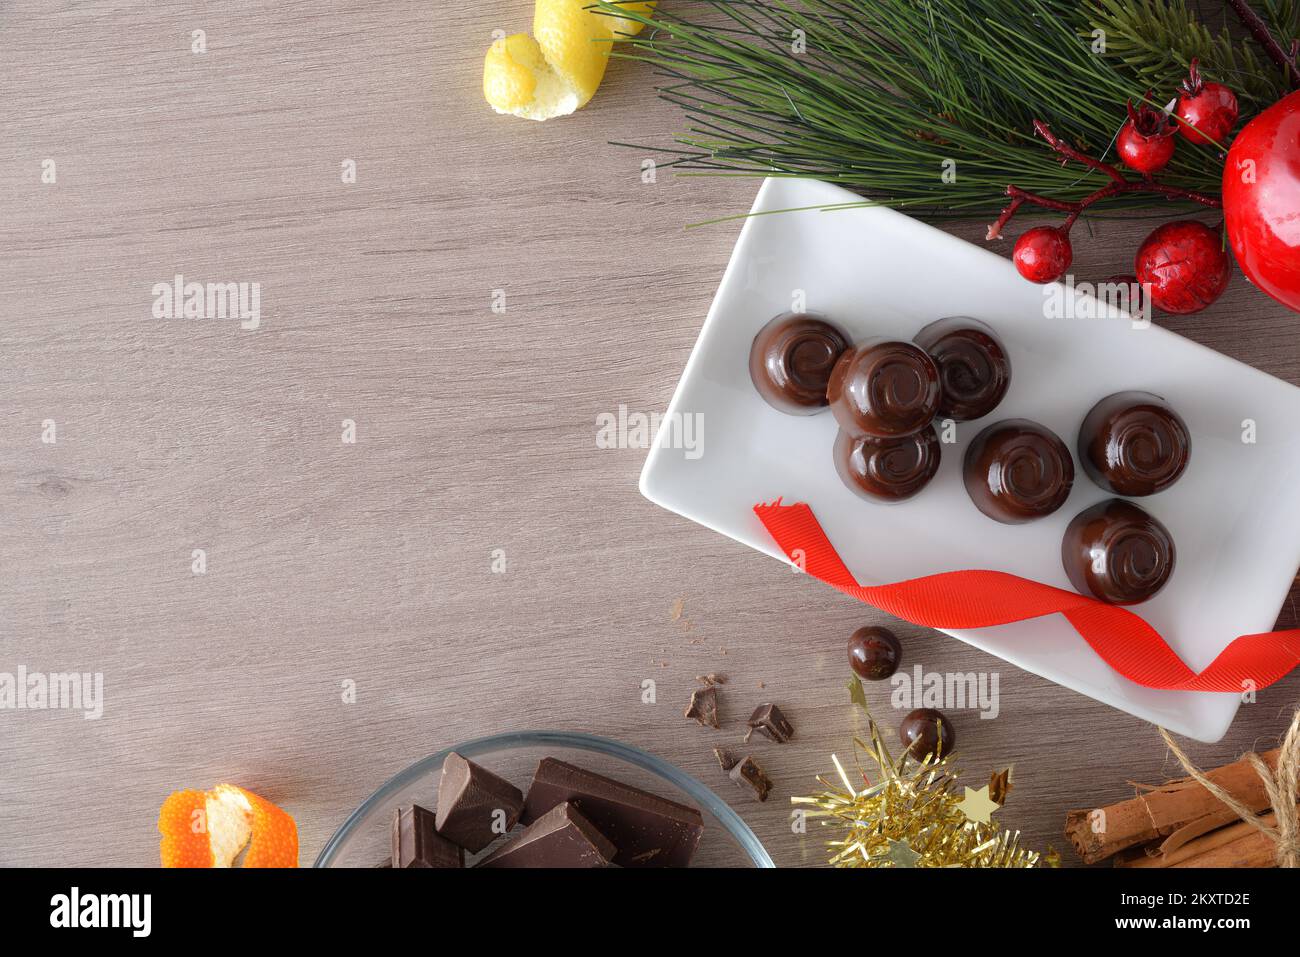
x: 557, y: 69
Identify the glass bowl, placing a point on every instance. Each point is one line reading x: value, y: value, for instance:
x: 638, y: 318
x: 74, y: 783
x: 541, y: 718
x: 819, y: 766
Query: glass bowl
x: 363, y: 839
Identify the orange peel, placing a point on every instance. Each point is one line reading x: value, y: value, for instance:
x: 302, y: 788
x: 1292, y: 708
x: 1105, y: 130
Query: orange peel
x: 213, y: 828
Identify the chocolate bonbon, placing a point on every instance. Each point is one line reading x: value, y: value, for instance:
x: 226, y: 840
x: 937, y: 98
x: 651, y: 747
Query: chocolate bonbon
x: 649, y: 831
x: 887, y: 470
x: 474, y: 805
x: 790, y: 362
x: 1017, y: 471
x: 874, y: 652
x: 417, y: 843
x: 974, y: 371
x: 562, y: 837
x: 1115, y: 551
x: 884, y: 389
x: 1134, y: 443
x: 927, y: 731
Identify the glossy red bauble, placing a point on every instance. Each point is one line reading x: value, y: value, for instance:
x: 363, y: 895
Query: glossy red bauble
x: 1185, y: 266
x: 1146, y: 141
x: 1261, y: 200
x: 1210, y: 107
x: 1043, y: 254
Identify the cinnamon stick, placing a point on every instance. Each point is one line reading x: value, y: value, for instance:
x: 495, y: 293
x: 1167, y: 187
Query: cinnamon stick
x: 1225, y: 843
x: 1182, y: 805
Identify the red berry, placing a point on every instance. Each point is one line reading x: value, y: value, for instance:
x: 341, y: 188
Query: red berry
x: 1043, y: 254
x: 1185, y: 264
x: 1209, y: 107
x: 1146, y: 142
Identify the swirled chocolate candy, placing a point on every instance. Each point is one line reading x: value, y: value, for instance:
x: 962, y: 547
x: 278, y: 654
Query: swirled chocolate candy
x: 791, y: 360
x: 1016, y: 471
x: 887, y: 470
x: 974, y: 371
x: 1117, y: 552
x: 884, y: 389
x: 1133, y: 443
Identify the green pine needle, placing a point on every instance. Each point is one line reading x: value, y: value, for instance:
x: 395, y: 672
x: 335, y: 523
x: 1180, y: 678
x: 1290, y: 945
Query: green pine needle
x: 924, y: 104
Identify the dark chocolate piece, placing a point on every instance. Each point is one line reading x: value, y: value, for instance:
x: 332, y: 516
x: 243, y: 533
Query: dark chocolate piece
x: 791, y: 359
x: 769, y: 720
x: 748, y: 773
x: 927, y: 731
x: 884, y: 389
x: 874, y: 652
x: 1117, y: 552
x: 1016, y: 471
x: 475, y: 806
x: 887, y: 470
x: 561, y: 837
x: 704, y: 706
x: 417, y: 843
x: 726, y: 760
x: 649, y: 831
x: 1134, y: 443
x: 974, y: 371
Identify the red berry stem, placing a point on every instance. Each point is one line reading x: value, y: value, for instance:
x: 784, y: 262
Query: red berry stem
x: 1118, y: 184
x: 1253, y: 22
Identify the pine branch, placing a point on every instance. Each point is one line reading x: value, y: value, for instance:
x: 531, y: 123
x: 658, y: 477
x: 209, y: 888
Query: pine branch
x: 1158, y: 39
x: 889, y: 97
x: 1254, y: 23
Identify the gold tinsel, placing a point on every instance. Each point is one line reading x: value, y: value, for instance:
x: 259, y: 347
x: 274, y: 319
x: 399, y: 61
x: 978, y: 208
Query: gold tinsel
x: 908, y: 813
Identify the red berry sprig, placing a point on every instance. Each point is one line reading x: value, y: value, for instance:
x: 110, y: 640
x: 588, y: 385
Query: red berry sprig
x: 1044, y: 258
x: 1146, y: 141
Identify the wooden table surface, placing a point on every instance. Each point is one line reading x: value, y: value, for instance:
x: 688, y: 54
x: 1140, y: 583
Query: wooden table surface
x: 372, y: 562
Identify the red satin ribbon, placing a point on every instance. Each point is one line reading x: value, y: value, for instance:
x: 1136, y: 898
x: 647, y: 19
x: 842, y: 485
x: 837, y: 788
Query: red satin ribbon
x: 978, y: 599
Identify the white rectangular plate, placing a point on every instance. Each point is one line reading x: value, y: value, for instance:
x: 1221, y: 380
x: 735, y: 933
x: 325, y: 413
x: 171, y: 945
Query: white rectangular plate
x: 1234, y: 514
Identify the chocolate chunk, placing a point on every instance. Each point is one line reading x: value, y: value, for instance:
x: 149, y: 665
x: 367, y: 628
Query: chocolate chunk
x: 561, y: 837
x: 417, y: 843
x: 704, y: 706
x: 768, y: 719
x: 474, y: 805
x: 649, y: 831
x: 748, y: 772
x: 726, y: 760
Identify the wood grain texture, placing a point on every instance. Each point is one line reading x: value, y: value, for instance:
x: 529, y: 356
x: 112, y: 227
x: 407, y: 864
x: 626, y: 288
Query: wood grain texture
x: 475, y: 431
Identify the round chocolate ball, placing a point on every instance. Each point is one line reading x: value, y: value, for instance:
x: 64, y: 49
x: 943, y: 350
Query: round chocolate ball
x: 1116, y: 552
x: 887, y: 470
x: 874, y: 653
x: 974, y: 371
x: 1133, y: 443
x: 791, y: 359
x: 927, y: 731
x: 1017, y: 471
x: 884, y: 389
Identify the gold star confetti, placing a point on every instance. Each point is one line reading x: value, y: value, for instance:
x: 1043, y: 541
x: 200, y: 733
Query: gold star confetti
x: 901, y: 855
x: 978, y: 806
x: 906, y: 805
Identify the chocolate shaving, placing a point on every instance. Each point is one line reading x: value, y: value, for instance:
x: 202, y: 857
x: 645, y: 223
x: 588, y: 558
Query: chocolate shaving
x: 726, y: 760
x: 768, y: 719
x: 704, y: 706
x: 711, y: 679
x: 747, y: 772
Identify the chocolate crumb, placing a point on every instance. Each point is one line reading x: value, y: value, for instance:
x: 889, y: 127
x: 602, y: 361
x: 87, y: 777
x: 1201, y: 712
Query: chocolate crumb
x: 748, y: 772
x: 704, y: 706
x: 726, y: 760
x: 711, y: 679
x: 769, y: 720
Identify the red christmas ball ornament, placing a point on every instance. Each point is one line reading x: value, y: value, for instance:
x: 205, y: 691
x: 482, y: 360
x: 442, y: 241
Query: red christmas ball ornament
x: 1209, y: 107
x: 1043, y: 254
x: 1261, y: 200
x: 1185, y: 265
x: 1146, y: 141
